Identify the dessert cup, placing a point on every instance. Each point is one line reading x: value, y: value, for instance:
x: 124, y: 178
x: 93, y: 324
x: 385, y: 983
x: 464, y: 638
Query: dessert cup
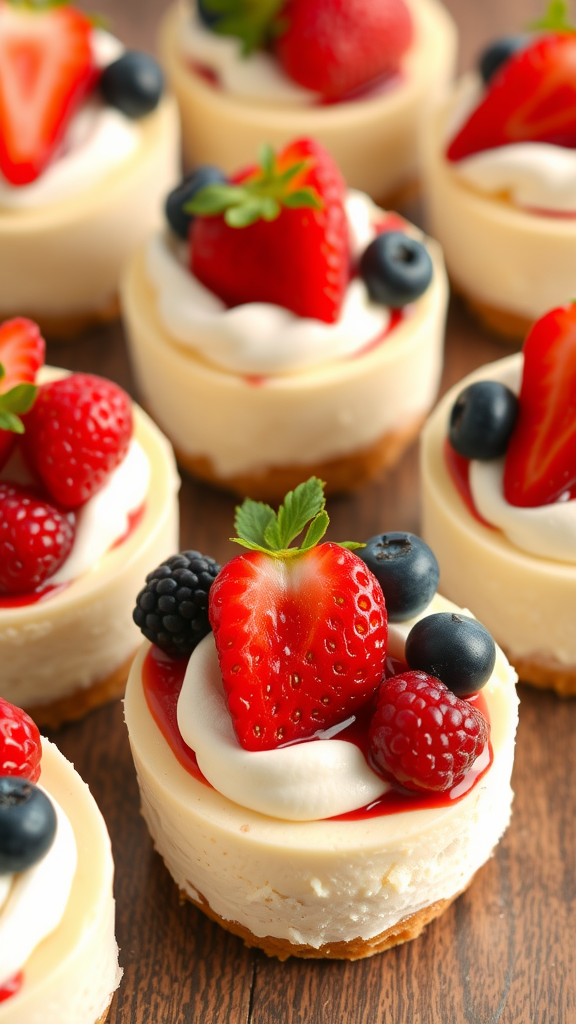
x: 71, y: 651
x: 374, y: 139
x: 526, y: 601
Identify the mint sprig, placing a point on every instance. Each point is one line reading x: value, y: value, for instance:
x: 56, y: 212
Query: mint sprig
x: 258, y: 198
x: 253, y: 22
x: 554, y: 20
x: 260, y: 528
x: 19, y: 399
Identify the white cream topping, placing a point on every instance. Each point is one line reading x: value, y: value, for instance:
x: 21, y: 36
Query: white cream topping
x: 534, y: 175
x: 548, y: 531
x: 256, y: 77
x: 36, y: 899
x: 258, y: 337
x: 98, y: 139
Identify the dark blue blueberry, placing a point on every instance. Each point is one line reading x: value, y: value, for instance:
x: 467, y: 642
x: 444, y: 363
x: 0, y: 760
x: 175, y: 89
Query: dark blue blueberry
x: 176, y: 216
x: 482, y: 420
x: 497, y: 53
x: 407, y: 571
x: 27, y: 824
x: 172, y: 609
x: 396, y: 269
x: 133, y: 83
x: 455, y: 649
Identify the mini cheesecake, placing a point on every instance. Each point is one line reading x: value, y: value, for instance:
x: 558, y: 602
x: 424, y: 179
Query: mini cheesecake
x: 373, y: 138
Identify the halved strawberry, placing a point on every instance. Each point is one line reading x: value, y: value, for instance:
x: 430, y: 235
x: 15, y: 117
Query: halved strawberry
x: 532, y: 98
x: 46, y: 69
x: 22, y: 350
x: 301, y: 633
x: 276, y: 233
x: 541, y: 458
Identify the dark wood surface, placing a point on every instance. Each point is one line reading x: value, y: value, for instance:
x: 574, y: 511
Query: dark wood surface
x: 506, y: 950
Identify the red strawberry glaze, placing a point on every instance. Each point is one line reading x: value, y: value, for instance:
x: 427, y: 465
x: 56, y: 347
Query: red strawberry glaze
x: 162, y: 679
x: 11, y: 987
x: 21, y: 600
x: 134, y: 520
x: 459, y: 469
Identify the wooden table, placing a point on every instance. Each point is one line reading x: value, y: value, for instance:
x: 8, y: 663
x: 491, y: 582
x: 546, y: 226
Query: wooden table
x: 506, y: 950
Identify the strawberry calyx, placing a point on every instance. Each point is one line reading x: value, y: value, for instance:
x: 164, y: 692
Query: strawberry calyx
x: 260, y: 196
x: 18, y: 399
x: 253, y: 22
x: 554, y: 20
x: 260, y: 528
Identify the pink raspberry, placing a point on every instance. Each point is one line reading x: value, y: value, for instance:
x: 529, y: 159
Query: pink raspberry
x: 422, y: 735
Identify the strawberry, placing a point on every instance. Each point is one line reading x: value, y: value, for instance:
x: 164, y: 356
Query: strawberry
x: 46, y: 69
x: 278, y: 233
x: 301, y: 633
x: 336, y: 47
x: 20, y: 744
x: 532, y: 98
x: 541, y: 458
x: 36, y: 538
x: 22, y: 351
x: 77, y: 433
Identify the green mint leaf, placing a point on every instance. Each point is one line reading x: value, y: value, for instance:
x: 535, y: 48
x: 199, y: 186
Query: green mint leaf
x: 316, y: 530
x: 19, y: 399
x: 251, y: 522
x: 298, y: 508
x: 554, y: 20
x: 8, y: 421
x: 350, y: 545
x: 303, y: 197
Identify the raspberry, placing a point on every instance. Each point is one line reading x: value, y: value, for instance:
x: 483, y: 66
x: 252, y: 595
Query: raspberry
x: 172, y: 609
x: 20, y: 747
x: 35, y: 538
x: 422, y: 735
x: 77, y: 433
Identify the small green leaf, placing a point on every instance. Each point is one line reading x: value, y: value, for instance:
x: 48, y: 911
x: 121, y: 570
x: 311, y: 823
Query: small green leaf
x: 298, y: 508
x: 303, y: 197
x: 215, y: 199
x: 19, y: 399
x: 267, y: 160
x: 8, y: 421
x: 2, y: 371
x: 316, y: 530
x: 292, y: 171
x: 350, y: 545
x: 249, y: 212
x: 554, y: 20
x: 251, y: 520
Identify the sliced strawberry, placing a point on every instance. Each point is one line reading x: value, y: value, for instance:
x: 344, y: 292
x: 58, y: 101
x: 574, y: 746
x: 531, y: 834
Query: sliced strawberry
x: 541, y: 458
x: 46, y: 69
x: 22, y: 350
x: 301, y: 633
x: 532, y: 98
x: 337, y: 47
x: 278, y: 233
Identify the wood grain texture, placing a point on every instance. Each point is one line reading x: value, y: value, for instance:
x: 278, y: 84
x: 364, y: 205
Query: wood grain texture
x: 505, y: 951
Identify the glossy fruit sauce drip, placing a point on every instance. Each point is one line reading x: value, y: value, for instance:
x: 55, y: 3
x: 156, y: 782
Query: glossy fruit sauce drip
x: 162, y: 679
x: 11, y: 987
x: 459, y: 469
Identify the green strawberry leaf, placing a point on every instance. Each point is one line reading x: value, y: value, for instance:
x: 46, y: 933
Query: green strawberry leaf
x: 250, y: 21
x: 2, y: 371
x: 252, y: 519
x: 298, y: 508
x: 350, y: 545
x: 303, y: 197
x: 19, y: 399
x: 554, y: 20
x: 8, y: 421
x: 316, y: 530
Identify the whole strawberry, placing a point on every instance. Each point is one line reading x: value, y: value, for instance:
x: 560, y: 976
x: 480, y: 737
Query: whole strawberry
x: 301, y: 633
x: 422, y: 735
x: 22, y: 349
x: 20, y: 746
x: 276, y: 233
x: 77, y: 433
x: 36, y: 538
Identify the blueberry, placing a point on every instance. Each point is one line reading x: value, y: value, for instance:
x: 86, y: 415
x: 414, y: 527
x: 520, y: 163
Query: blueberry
x: 133, y: 83
x: 482, y: 420
x: 497, y: 53
x: 176, y: 216
x: 27, y: 824
x: 456, y: 649
x: 396, y: 269
x: 406, y: 570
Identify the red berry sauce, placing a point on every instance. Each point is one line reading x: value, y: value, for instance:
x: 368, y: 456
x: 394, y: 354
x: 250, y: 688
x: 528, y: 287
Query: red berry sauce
x: 134, y: 520
x: 459, y: 469
x: 162, y: 679
x: 11, y: 987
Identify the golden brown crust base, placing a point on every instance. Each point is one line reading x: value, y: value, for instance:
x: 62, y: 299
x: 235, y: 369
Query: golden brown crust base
x: 69, y: 326
x: 340, y: 475
x: 546, y: 674
x: 356, y: 949
x: 509, y: 326
x: 104, y: 1017
x: 79, y: 703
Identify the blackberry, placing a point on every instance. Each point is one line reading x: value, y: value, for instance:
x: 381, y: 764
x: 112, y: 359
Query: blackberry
x: 172, y: 609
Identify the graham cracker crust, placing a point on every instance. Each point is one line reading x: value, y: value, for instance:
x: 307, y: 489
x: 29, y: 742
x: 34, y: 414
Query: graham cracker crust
x: 79, y: 703
x: 356, y: 949
x: 546, y: 674
x: 340, y: 475
x: 67, y: 327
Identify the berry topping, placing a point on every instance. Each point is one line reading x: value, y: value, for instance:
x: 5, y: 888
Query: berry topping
x: 293, y: 246
x: 133, y: 83
x: 338, y: 48
x: 20, y: 746
x: 22, y: 351
x: 172, y: 609
x: 178, y: 219
x: 454, y: 648
x: 540, y: 463
x: 77, y: 433
x: 482, y: 420
x: 36, y: 538
x: 27, y: 825
x: 407, y: 571
x: 422, y: 735
x: 301, y: 632
x: 46, y: 70
x: 497, y: 53
x: 396, y: 269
